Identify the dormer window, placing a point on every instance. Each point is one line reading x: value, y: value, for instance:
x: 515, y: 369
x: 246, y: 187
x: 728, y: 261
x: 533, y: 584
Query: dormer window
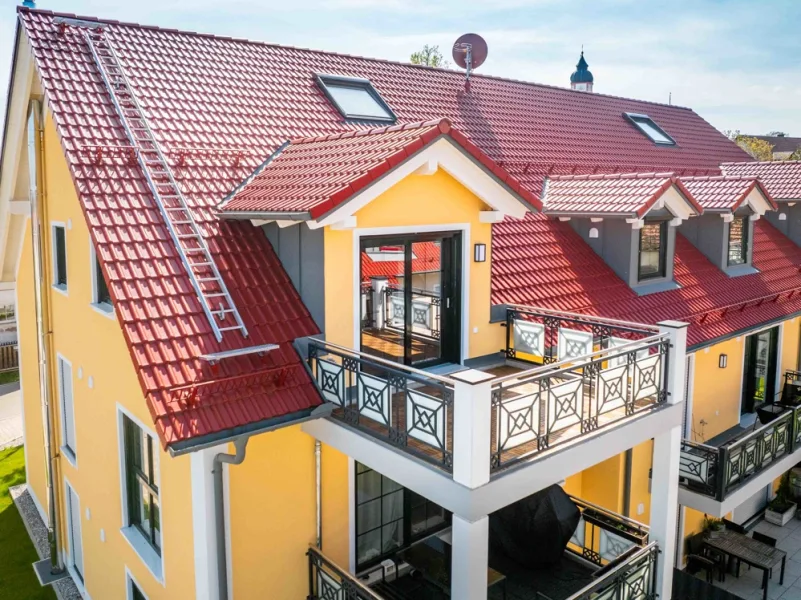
x: 648, y: 127
x: 356, y: 98
x: 738, y: 241
x: 653, y: 251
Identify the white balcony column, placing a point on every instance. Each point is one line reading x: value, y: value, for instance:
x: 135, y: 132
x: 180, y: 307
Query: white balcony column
x: 469, y: 558
x: 677, y: 359
x: 472, y: 424
x: 379, y: 285
x: 665, y: 466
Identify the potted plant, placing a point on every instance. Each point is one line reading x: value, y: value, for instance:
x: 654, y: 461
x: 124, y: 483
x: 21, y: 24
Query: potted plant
x: 713, y: 527
x: 782, y: 508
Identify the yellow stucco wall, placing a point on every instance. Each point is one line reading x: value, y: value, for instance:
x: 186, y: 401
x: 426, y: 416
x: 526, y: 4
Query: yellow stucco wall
x: 103, y: 376
x: 417, y: 200
x: 716, y: 391
x: 789, y: 348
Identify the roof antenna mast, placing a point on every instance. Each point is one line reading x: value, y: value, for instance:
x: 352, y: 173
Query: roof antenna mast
x: 469, y: 52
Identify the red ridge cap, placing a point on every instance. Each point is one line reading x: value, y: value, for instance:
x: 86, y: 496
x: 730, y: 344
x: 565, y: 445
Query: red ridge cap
x: 443, y: 124
x: 611, y: 176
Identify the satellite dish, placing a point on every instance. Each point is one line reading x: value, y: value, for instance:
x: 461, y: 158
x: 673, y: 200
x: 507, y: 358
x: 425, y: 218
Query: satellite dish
x: 470, y: 45
x: 469, y: 52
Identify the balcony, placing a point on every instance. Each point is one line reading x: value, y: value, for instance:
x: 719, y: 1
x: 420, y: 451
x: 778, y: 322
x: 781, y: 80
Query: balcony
x: 608, y: 556
x: 731, y: 471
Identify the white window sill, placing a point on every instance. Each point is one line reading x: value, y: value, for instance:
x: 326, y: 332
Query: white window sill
x: 61, y: 289
x: 67, y: 453
x: 107, y: 310
x: 145, y: 551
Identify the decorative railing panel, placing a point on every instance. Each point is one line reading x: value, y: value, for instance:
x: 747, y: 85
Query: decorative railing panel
x: 603, y: 536
x: 632, y: 579
x: 425, y: 311
x: 549, y: 405
x: 542, y: 337
x: 327, y: 581
x: 400, y: 405
x: 717, y: 472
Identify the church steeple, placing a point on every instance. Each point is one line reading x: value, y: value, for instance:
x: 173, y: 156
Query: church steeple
x: 581, y: 79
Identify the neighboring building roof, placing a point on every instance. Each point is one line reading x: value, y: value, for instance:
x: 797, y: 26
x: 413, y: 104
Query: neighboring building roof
x: 625, y: 195
x: 781, y: 143
x: 782, y: 178
x: 425, y: 259
x: 542, y: 262
x: 724, y: 193
x: 315, y: 175
x: 582, y: 73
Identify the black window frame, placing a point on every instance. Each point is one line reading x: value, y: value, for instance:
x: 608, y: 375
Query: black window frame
x: 637, y: 120
x: 409, y: 504
x: 324, y: 81
x: 745, y: 241
x: 102, y: 295
x: 663, y: 248
x: 135, y: 477
x: 136, y: 591
x: 60, y: 257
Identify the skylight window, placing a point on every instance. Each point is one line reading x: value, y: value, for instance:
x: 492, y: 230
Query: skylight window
x: 356, y: 98
x: 654, y: 132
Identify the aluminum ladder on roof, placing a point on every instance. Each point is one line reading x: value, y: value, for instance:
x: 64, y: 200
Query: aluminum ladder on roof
x: 203, y: 273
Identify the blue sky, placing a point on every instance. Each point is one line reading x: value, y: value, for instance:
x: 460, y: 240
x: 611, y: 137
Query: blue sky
x: 736, y: 62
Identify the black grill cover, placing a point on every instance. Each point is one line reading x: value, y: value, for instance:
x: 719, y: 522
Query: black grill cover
x: 534, y: 531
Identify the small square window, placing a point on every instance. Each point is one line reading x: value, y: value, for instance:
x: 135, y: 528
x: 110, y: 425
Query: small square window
x: 654, y: 132
x: 738, y: 241
x: 653, y: 250
x: 60, y: 257
x: 356, y: 98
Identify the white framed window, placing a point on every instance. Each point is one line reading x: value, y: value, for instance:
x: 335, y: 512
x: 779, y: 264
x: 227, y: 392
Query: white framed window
x: 74, y: 545
x: 101, y: 298
x: 355, y: 98
x: 69, y: 447
x: 650, y: 129
x: 59, y: 260
x: 133, y: 591
x: 140, y: 486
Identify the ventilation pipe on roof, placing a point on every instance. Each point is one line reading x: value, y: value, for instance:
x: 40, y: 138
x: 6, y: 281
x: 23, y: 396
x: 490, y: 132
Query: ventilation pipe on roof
x: 240, y: 444
x: 43, y: 330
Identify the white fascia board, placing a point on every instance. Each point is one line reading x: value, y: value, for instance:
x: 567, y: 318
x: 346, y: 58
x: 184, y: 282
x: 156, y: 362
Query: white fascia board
x: 712, y: 507
x: 757, y: 201
x: 507, y: 487
x: 675, y: 202
x: 455, y: 162
x: 22, y: 82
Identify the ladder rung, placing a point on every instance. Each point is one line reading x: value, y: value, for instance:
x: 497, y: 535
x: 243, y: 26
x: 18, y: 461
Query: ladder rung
x: 231, y: 328
x: 203, y: 264
x: 221, y: 311
x: 181, y: 236
x: 205, y: 279
x: 193, y: 250
x: 217, y: 295
x: 182, y: 222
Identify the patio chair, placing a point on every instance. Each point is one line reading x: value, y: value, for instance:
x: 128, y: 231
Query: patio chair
x: 698, y: 559
x: 765, y: 539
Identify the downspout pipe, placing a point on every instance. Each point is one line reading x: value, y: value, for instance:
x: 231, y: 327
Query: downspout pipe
x: 36, y: 190
x: 318, y: 459
x: 240, y: 445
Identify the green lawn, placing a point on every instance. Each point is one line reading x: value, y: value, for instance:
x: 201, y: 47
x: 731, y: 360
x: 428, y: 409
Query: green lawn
x: 9, y: 376
x: 17, y: 581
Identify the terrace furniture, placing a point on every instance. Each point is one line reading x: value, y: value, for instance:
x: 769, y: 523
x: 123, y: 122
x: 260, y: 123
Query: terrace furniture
x: 732, y: 526
x: 697, y: 560
x: 752, y: 552
x: 791, y: 394
x: 768, y: 412
x: 765, y: 539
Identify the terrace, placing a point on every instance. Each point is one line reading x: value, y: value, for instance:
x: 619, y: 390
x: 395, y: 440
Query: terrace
x: 608, y: 556
x: 559, y: 379
x: 731, y: 465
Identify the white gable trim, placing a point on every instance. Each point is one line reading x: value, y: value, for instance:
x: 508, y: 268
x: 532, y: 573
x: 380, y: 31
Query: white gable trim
x: 676, y: 203
x: 446, y: 155
x: 757, y: 201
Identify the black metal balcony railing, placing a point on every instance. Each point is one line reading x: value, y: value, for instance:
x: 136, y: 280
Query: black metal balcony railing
x: 401, y: 405
x: 717, y: 472
x: 601, y: 378
x: 602, y: 536
x: 328, y: 582
x: 632, y: 578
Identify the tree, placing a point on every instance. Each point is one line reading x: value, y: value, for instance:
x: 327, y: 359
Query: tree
x: 795, y: 155
x: 777, y: 133
x: 758, y: 149
x: 430, y: 56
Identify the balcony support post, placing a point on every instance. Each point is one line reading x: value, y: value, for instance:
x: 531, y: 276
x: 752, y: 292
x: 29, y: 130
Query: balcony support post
x: 472, y: 426
x: 379, y: 286
x: 469, y: 558
x: 666, y: 458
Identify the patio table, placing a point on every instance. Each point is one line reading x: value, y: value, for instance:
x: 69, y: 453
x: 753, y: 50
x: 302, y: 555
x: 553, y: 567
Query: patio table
x: 751, y: 552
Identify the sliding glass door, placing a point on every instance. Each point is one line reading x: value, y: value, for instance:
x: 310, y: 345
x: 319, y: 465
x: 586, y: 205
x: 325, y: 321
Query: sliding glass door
x: 410, y: 298
x: 759, y: 376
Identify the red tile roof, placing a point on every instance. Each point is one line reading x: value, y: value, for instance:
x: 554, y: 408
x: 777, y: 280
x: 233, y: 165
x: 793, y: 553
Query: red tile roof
x: 782, y: 178
x: 206, y: 92
x: 542, y: 262
x: 630, y: 194
x: 316, y: 175
x: 724, y: 192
